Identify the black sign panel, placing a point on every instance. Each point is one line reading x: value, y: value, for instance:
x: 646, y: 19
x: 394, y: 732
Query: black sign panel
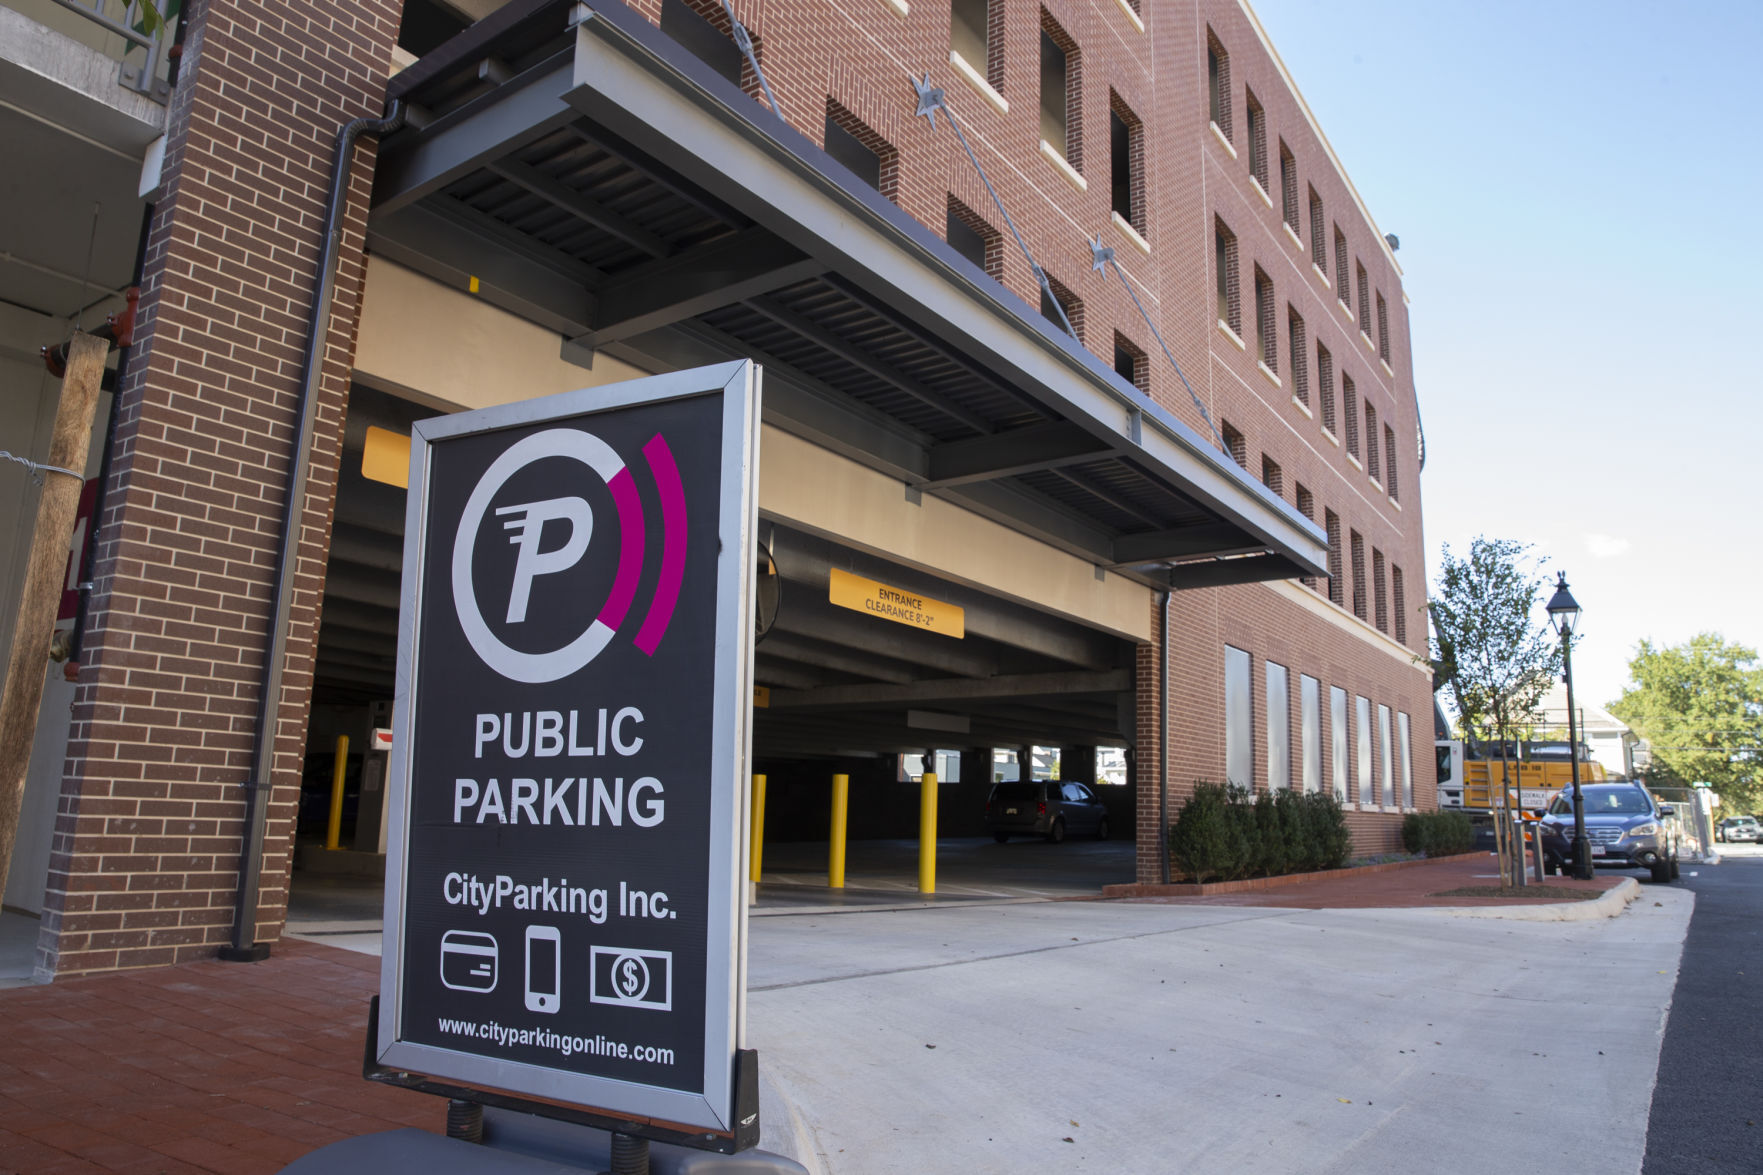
x: 566, y: 825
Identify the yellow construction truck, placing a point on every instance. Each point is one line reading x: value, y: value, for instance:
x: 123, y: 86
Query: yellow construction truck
x: 1533, y: 771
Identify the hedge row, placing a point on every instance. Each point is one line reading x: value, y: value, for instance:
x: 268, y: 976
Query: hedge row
x: 1438, y: 834
x: 1223, y: 833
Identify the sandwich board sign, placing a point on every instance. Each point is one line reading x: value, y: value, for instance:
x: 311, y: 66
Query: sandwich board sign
x: 565, y: 918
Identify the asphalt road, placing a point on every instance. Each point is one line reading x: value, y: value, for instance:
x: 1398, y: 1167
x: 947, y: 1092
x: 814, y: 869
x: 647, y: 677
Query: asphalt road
x: 1707, y: 1115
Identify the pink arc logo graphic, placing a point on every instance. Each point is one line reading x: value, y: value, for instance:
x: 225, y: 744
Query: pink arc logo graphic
x: 525, y: 523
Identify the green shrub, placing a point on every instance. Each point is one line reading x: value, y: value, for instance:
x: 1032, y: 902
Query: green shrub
x: 1294, y: 826
x: 1205, y: 842
x: 1223, y: 833
x: 1437, y: 834
x: 1328, y: 827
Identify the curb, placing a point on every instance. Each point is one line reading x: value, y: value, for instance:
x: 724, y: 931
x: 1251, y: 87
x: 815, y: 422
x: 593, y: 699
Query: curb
x: 1188, y: 889
x: 1611, y: 904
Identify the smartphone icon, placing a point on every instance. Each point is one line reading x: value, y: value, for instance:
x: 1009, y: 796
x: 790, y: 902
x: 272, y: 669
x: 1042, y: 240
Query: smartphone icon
x: 544, y: 969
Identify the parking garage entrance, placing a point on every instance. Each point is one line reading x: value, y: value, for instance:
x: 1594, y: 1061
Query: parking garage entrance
x: 866, y: 669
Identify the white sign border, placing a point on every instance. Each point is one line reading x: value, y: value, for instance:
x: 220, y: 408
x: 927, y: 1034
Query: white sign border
x: 731, y: 737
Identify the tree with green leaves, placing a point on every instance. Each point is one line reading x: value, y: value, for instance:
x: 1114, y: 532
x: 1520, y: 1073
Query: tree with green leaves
x: 1700, y: 707
x: 1492, y: 655
x: 1489, y: 651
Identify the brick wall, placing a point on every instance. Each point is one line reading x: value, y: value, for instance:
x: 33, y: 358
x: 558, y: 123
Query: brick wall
x: 145, y: 859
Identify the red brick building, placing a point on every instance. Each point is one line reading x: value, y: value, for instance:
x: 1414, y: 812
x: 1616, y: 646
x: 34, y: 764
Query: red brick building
x: 576, y: 195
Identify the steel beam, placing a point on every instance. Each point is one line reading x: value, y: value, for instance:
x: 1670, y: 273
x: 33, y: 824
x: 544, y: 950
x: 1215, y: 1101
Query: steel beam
x: 420, y: 239
x: 1223, y: 572
x: 862, y: 360
x: 954, y: 689
x: 1039, y: 446
x: 1180, y: 542
x: 579, y: 205
x: 417, y: 163
x: 721, y: 273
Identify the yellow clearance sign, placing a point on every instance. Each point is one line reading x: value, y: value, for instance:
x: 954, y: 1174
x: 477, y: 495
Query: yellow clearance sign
x: 896, y: 604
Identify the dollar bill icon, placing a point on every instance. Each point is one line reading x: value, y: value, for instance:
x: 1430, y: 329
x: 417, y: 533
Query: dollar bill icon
x: 629, y: 977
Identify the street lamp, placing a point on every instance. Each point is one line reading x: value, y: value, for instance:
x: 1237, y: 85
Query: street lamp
x: 1564, y: 616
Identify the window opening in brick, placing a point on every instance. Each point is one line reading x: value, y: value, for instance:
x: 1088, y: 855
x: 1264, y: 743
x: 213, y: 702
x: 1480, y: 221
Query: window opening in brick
x: 1306, y: 507
x: 1325, y: 382
x: 1377, y: 589
x: 1300, y: 354
x: 705, y: 34
x: 1070, y: 302
x: 1218, y: 82
x: 1372, y: 465
x: 1356, y: 543
x: 1257, y: 139
x: 1364, y: 300
x: 1061, y: 89
x: 1340, y: 266
x: 1350, y: 410
x: 864, y: 153
x: 1266, y: 322
x: 976, y: 32
x: 1230, y: 308
x: 1288, y: 187
x: 1126, y: 163
x: 1234, y: 444
x: 974, y: 239
x: 1389, y: 461
x: 1279, y: 727
x: 1337, y: 586
x: 1130, y: 363
x: 1383, y: 328
x: 1399, y: 598
x: 1271, y: 476
x: 1318, y: 243
x: 1239, y: 719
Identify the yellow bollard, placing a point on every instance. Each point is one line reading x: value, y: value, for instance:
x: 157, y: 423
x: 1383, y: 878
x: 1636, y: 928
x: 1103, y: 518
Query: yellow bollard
x: 333, y: 836
x: 835, y: 869
x: 927, y: 833
x: 757, y: 851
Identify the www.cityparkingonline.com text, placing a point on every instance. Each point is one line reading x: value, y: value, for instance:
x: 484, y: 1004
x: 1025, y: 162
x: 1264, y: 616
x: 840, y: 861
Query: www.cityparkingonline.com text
x: 503, y: 1035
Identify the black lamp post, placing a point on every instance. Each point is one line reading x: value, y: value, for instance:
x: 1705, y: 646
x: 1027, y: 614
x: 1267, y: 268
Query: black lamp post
x: 1564, y: 616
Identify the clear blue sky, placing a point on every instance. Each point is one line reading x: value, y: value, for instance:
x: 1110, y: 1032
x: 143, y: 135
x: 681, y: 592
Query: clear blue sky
x: 1578, y: 195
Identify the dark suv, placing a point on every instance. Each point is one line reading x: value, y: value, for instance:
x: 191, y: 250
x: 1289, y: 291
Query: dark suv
x: 1048, y: 808
x: 1627, y: 827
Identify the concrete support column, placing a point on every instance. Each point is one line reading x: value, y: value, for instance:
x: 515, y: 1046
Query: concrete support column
x: 1078, y: 763
x: 144, y: 865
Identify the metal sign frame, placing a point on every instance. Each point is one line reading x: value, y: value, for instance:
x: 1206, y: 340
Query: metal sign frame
x: 712, y: 1107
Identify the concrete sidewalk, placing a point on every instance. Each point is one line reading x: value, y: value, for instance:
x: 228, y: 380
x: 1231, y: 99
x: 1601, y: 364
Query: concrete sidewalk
x: 1011, y: 1036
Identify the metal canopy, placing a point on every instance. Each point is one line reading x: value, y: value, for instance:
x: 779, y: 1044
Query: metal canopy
x: 597, y: 179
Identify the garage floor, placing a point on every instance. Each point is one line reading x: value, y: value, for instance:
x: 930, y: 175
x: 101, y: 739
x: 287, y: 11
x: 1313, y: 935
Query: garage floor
x: 966, y: 868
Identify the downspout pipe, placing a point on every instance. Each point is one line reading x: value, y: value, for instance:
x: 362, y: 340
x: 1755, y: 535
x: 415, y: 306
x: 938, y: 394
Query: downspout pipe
x: 1163, y: 740
x: 244, y: 948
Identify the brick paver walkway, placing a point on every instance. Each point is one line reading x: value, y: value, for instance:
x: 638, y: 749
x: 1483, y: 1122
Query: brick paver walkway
x: 206, y: 1067
x: 1404, y: 888
x: 239, y: 1069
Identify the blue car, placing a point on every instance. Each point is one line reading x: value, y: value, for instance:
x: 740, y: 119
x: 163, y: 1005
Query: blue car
x: 1627, y: 826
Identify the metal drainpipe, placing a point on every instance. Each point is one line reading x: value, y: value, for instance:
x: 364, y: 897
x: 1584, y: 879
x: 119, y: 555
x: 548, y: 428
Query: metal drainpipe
x: 244, y: 947
x: 1163, y: 741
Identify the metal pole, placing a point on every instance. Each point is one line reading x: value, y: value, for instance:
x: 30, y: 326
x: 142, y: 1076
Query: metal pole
x: 835, y: 867
x: 1582, y: 850
x: 756, y: 853
x: 333, y: 834
x: 927, y: 828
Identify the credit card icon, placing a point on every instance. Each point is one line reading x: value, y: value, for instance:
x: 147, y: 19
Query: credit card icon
x: 468, y: 960
x: 631, y: 978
